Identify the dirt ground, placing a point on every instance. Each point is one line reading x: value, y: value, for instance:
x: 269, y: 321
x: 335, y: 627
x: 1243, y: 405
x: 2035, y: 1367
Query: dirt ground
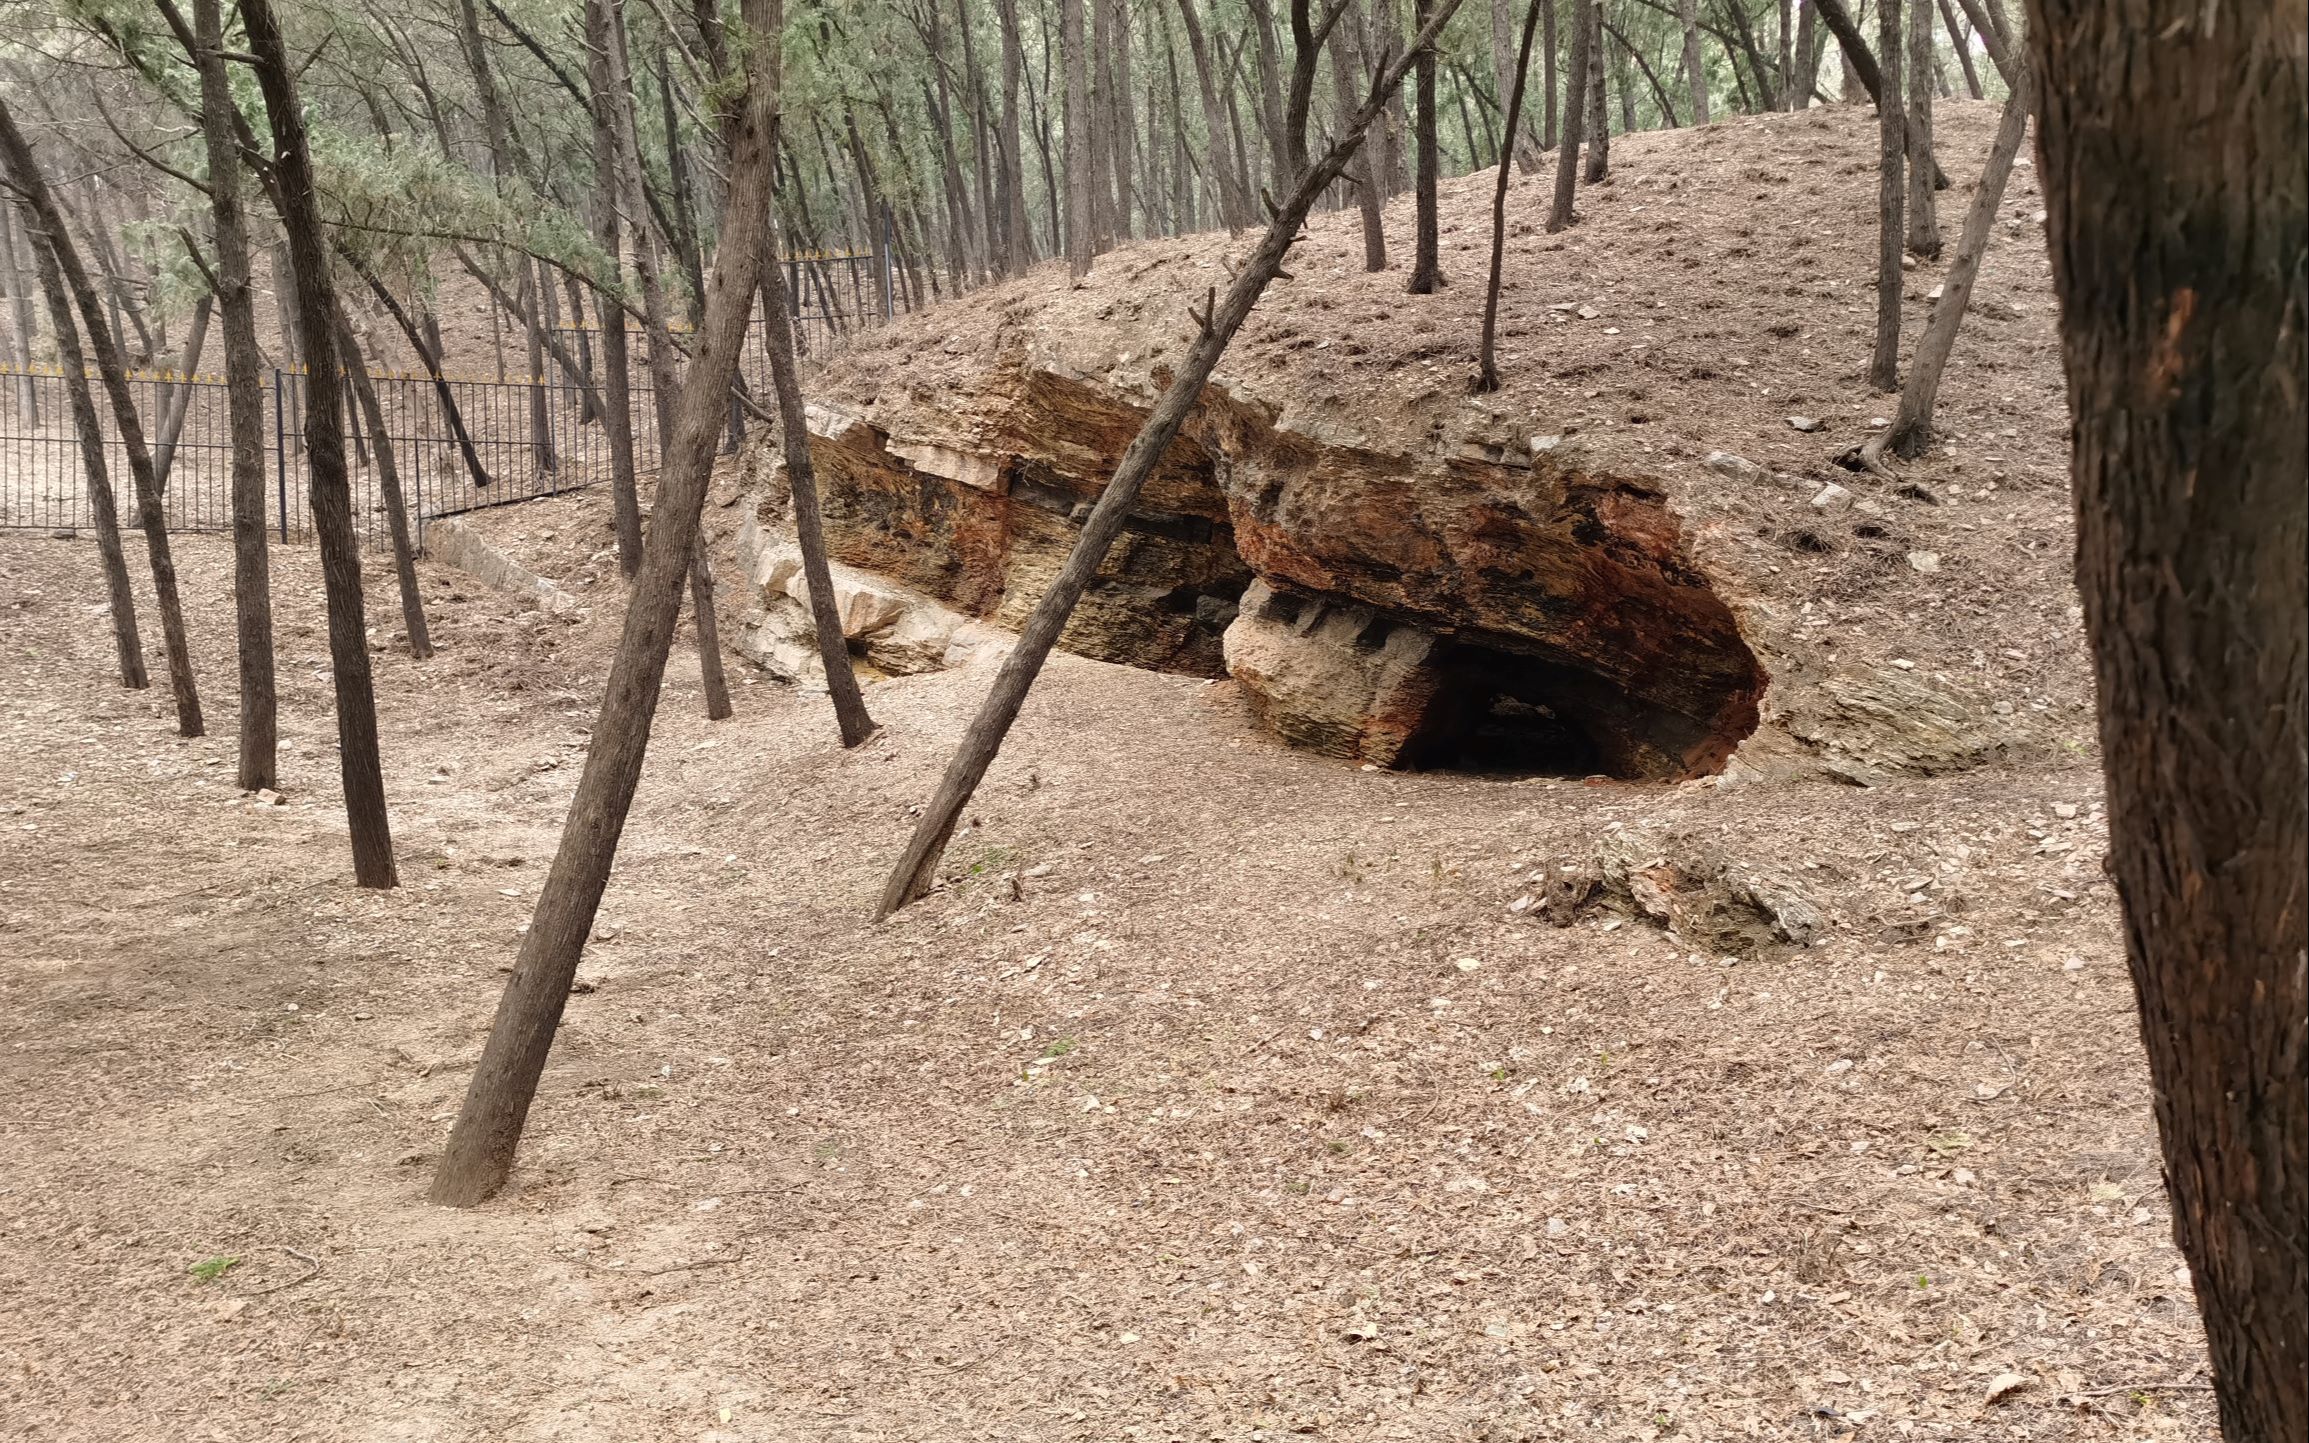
x: 1256, y: 1110
x: 1223, y: 1092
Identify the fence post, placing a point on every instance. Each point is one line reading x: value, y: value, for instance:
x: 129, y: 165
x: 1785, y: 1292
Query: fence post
x: 280, y: 453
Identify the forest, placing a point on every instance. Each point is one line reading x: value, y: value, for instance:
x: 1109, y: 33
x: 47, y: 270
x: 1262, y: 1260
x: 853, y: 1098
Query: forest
x: 1375, y: 719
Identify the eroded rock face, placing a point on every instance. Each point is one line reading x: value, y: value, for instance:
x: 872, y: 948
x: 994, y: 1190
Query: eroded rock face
x: 1474, y: 608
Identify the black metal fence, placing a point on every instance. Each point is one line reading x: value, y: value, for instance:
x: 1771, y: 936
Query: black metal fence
x: 458, y: 442
x: 520, y: 439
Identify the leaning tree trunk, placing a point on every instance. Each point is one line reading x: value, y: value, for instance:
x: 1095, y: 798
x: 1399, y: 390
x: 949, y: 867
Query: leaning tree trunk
x: 1911, y: 430
x: 331, y: 485
x: 259, y: 742
x: 1426, y: 237
x: 389, y: 486
x: 1884, y: 364
x: 42, y: 215
x: 1487, y: 364
x: 1574, y: 116
x: 1923, y: 221
x: 480, y: 1151
x: 1217, y: 324
x: 1502, y: 82
x: 809, y: 526
x: 179, y: 393
x: 2171, y: 150
x: 103, y: 506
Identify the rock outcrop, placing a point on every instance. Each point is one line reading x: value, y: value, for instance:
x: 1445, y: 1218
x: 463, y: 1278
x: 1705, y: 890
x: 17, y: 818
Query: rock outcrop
x: 1500, y: 605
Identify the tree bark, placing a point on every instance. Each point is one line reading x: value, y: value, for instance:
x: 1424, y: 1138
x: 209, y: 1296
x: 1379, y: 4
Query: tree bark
x: 1427, y: 244
x: 1217, y: 326
x: 1574, y: 118
x: 1598, y: 109
x: 103, y: 505
x: 179, y: 394
x: 259, y: 741
x: 1348, y: 63
x: 850, y: 715
x: 1229, y: 181
x: 1695, y: 68
x: 1081, y: 245
x: 481, y: 1146
x: 389, y: 486
x: 1884, y: 365
x: 1487, y: 365
x: 1958, y: 42
x: 332, y: 499
x: 27, y: 391
x: 616, y: 360
x: 43, y: 216
x: 1019, y: 245
x: 1923, y: 220
x: 1503, y: 54
x: 2170, y: 142
x: 1911, y: 430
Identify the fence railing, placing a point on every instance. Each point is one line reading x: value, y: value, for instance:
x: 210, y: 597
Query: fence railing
x: 511, y: 438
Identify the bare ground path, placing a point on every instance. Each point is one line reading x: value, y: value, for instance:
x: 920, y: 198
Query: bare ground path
x: 1210, y: 1131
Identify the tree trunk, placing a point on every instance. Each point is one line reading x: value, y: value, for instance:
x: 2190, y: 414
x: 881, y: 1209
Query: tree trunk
x: 1019, y: 250
x: 178, y: 396
x: 616, y: 362
x: 1574, y: 118
x: 1217, y: 326
x: 1487, y: 365
x: 1345, y: 74
x: 332, y: 499
x: 1695, y: 68
x: 1985, y: 23
x: 1075, y: 128
x: 27, y: 391
x: 1427, y: 247
x: 480, y: 1151
x: 1958, y: 42
x: 1884, y: 365
x: 2171, y: 150
x: 1502, y: 56
x: 1125, y: 128
x: 809, y: 527
x: 1923, y: 221
x: 43, y: 217
x: 258, y: 764
x: 1598, y: 108
x: 711, y: 680
x: 1911, y: 430
x: 103, y: 506
x: 389, y: 487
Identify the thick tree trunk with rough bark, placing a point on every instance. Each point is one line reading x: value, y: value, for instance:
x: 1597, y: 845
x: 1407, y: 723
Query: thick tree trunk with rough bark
x: 1884, y: 364
x: 2170, y: 140
x: 43, y: 217
x: 481, y: 1146
x: 259, y: 740
x: 332, y: 497
x: 1216, y: 327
